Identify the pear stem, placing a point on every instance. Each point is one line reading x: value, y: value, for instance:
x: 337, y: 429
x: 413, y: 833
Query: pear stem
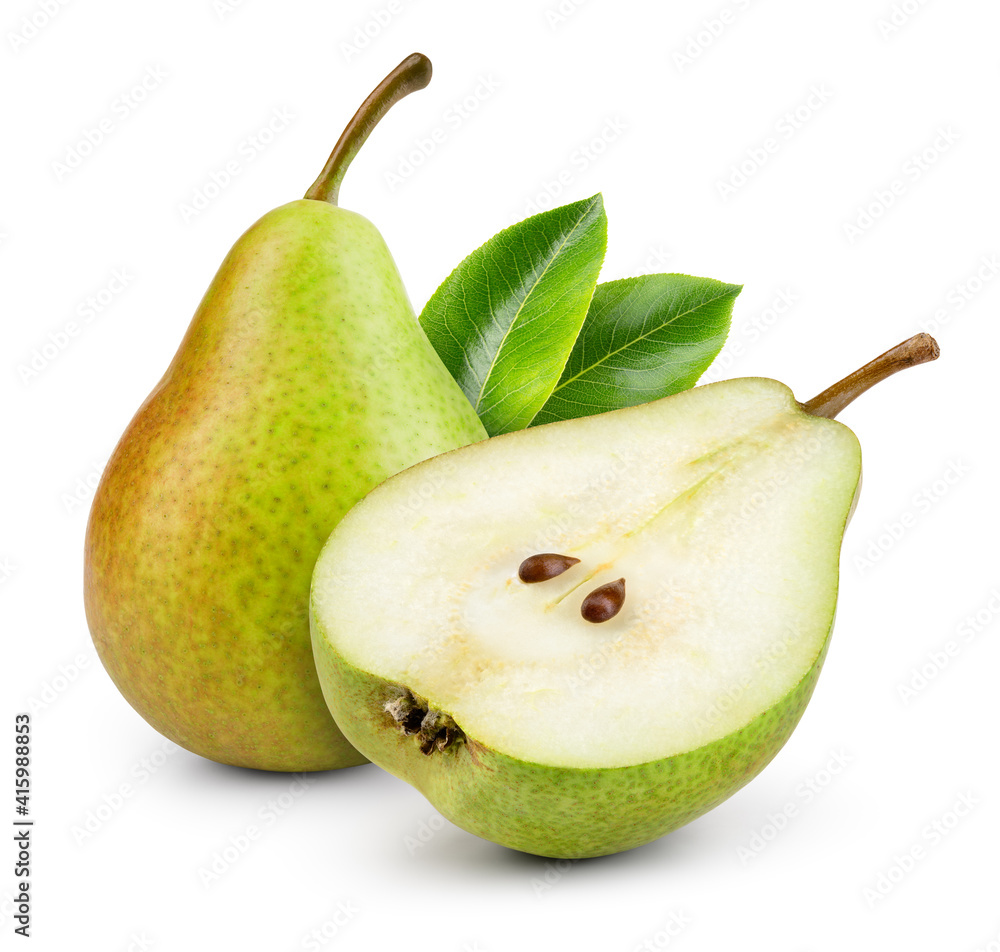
x: 412, y: 74
x: 917, y: 350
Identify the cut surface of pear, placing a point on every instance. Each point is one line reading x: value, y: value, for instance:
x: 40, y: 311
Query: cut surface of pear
x: 723, y: 509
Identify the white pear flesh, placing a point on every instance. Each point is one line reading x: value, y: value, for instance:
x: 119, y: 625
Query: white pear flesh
x: 722, y: 508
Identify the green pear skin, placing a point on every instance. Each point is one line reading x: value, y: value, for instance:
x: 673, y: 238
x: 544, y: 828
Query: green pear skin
x: 561, y: 812
x: 303, y: 381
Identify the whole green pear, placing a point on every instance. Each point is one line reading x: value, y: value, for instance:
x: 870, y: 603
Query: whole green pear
x: 603, y: 627
x: 303, y: 381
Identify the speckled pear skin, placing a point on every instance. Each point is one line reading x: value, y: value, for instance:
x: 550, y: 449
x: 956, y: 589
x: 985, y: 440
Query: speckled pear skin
x: 557, y: 812
x: 303, y: 380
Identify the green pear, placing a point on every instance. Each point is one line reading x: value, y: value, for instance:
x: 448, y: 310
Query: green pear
x: 593, y: 631
x: 303, y: 380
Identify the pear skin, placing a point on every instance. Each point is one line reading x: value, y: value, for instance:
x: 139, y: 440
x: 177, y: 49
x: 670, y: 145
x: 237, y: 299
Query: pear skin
x: 303, y: 381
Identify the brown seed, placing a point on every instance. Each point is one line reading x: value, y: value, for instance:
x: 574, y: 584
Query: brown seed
x: 603, y: 603
x: 545, y: 565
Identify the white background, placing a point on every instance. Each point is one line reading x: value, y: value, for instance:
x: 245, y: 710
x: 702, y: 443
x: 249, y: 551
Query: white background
x: 356, y: 857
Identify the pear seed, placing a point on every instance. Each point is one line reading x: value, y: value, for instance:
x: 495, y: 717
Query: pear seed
x: 545, y: 565
x: 603, y: 603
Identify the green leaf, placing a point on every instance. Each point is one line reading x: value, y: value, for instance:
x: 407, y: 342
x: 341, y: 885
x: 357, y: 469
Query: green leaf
x: 505, y: 320
x: 643, y: 338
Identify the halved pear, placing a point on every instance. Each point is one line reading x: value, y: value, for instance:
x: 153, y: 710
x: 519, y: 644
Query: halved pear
x: 721, y: 508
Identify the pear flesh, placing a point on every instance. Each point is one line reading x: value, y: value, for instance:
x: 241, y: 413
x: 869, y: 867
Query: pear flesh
x: 722, y: 508
x: 303, y: 381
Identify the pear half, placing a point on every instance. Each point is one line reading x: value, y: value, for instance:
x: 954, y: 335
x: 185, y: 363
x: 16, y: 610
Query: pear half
x: 722, y: 508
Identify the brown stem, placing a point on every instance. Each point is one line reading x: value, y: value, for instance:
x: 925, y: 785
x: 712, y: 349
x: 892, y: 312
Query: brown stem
x: 917, y: 350
x: 412, y: 74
